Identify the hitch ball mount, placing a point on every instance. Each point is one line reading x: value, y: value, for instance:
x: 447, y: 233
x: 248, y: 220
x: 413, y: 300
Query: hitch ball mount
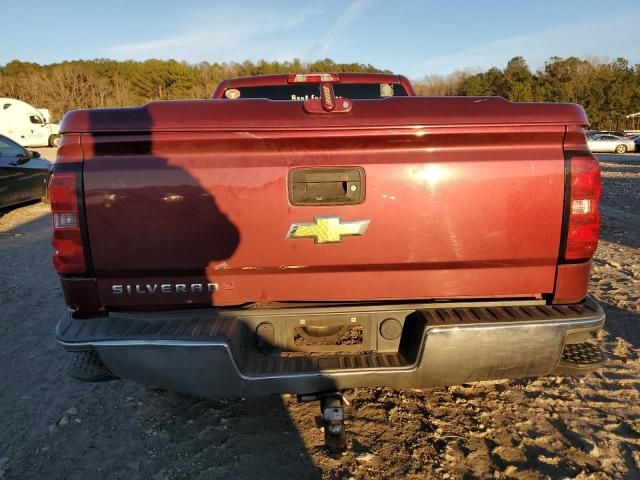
x: 332, y: 410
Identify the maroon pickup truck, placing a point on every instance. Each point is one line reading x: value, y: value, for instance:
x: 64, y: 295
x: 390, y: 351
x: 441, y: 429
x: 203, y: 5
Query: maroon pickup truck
x: 317, y: 233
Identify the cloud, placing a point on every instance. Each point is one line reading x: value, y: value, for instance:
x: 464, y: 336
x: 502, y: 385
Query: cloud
x: 356, y: 9
x: 586, y: 38
x: 226, y: 34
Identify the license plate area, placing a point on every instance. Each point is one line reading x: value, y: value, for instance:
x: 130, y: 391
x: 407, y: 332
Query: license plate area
x: 322, y: 332
x: 346, y: 333
x: 349, y: 333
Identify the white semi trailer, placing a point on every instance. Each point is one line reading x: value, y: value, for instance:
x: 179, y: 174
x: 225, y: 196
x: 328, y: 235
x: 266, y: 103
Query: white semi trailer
x: 27, y: 125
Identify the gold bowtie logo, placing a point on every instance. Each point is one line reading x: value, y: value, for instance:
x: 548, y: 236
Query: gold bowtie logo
x: 328, y: 229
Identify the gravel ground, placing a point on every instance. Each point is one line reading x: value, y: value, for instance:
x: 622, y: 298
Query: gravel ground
x: 548, y: 428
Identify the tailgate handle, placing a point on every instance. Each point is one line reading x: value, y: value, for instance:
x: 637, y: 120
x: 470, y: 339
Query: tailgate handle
x: 326, y: 186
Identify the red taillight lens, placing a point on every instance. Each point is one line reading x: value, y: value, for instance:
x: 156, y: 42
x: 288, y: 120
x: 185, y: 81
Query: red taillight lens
x: 67, y: 236
x: 583, y: 216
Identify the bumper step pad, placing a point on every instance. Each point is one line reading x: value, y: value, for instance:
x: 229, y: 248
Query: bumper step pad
x: 579, y: 359
x: 582, y: 354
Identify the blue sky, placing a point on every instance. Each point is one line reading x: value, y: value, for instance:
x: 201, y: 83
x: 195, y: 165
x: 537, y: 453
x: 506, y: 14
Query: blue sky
x: 414, y: 37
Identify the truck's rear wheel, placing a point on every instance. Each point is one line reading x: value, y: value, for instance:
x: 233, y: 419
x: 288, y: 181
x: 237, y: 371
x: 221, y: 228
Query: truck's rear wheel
x: 621, y: 149
x: 54, y: 141
x: 87, y: 366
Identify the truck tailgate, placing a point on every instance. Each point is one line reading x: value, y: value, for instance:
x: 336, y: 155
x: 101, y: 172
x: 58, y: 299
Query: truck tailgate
x: 202, y: 216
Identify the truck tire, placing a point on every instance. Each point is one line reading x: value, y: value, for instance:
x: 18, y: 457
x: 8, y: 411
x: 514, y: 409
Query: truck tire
x: 621, y: 149
x: 54, y: 141
x: 87, y: 366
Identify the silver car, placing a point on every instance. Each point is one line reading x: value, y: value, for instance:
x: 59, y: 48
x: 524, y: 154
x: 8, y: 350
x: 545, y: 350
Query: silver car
x: 610, y: 143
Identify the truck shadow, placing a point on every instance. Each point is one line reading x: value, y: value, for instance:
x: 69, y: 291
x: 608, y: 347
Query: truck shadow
x: 127, y: 430
x: 148, y: 210
x: 228, y: 438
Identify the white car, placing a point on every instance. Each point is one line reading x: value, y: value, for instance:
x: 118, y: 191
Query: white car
x: 610, y: 143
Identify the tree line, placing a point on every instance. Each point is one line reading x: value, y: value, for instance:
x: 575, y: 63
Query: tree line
x: 607, y: 90
x: 108, y: 83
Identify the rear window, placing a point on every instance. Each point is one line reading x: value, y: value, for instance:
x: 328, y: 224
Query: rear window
x: 354, y: 91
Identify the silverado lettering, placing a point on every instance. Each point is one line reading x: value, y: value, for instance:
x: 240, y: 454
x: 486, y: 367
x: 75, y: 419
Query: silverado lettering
x: 481, y: 219
x: 165, y: 288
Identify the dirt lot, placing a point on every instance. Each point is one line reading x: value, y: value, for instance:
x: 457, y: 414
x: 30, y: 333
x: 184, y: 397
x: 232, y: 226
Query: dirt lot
x: 55, y: 428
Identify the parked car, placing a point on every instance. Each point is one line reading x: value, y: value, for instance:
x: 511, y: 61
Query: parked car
x: 610, y: 143
x: 615, y: 133
x: 636, y: 140
x: 24, y: 175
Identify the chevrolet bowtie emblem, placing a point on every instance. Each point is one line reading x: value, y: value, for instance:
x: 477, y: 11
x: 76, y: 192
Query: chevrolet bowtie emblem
x: 328, y: 229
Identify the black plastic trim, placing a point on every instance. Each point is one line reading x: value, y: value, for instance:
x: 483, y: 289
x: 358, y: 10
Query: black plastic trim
x: 300, y: 179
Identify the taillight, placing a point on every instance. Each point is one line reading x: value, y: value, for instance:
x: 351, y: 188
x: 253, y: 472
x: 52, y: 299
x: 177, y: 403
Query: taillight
x: 313, y: 78
x: 583, y: 222
x: 67, y: 236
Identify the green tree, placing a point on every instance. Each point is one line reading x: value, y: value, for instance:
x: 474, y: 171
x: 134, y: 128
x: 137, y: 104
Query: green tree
x: 518, y: 81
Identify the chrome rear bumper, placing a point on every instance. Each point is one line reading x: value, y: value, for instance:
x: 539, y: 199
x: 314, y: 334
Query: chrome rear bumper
x: 212, y: 353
